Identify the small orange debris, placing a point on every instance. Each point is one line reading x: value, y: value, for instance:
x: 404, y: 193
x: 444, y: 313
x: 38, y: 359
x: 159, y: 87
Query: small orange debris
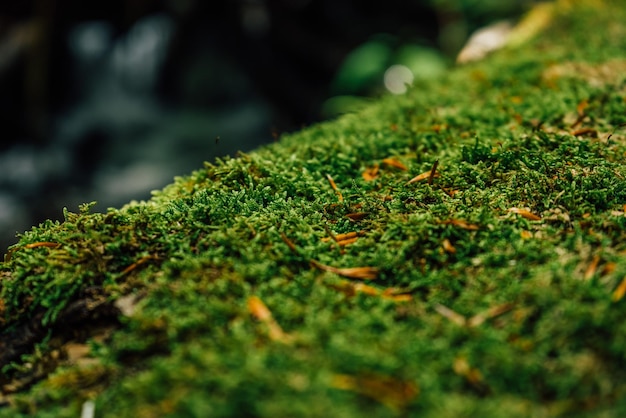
x: 390, y: 391
x: 608, y: 268
x: 357, y: 216
x: 136, y: 264
x: 580, y: 109
x: 351, y: 289
x: 393, y: 162
x: 371, y: 173
x: 363, y: 273
x: 462, y: 368
x: 430, y: 174
x: 42, y: 244
x: 524, y: 213
x: 585, y: 131
x: 343, y: 239
x: 619, y: 291
x: 592, y: 267
x: 448, y: 247
x: 335, y: 188
x: 460, y: 223
x: 526, y: 234
x: 257, y: 308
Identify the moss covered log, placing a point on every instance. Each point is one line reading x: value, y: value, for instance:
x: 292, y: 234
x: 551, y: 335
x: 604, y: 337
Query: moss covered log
x: 457, y: 251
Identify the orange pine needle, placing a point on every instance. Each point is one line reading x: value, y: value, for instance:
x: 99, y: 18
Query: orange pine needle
x: 524, y: 213
x: 363, y: 273
x: 357, y: 216
x: 619, y: 291
x: 394, y: 393
x: 592, y: 267
x: 334, y: 187
x: 448, y: 247
x: 42, y: 244
x: 460, y: 223
x: 392, y: 162
x: 260, y: 311
x: 370, y: 173
x: 585, y: 131
x: 426, y: 175
x: 136, y: 264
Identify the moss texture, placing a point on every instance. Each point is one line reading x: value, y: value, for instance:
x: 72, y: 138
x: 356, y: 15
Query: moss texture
x: 458, y: 251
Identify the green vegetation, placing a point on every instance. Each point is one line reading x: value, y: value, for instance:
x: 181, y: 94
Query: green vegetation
x: 311, y: 278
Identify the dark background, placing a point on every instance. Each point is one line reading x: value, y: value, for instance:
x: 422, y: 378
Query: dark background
x: 108, y: 100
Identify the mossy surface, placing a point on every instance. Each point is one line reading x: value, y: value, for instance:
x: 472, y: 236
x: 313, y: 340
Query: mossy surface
x: 312, y: 278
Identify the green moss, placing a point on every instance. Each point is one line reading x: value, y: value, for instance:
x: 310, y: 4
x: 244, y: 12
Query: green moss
x: 497, y: 281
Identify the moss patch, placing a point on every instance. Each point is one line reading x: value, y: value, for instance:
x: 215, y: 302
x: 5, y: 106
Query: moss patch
x: 458, y: 251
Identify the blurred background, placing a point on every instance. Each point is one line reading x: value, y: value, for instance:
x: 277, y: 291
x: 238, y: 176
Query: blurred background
x: 108, y: 100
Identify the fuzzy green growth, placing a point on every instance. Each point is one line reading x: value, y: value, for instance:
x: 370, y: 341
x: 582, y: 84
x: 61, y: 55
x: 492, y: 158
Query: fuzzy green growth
x: 493, y: 286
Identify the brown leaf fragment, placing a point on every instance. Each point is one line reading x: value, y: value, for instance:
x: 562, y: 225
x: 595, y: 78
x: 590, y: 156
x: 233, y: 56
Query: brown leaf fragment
x: 619, y: 291
x: 393, y: 162
x: 260, y: 311
x: 390, y: 391
x: 448, y: 313
x: 525, y: 213
x: 370, y: 173
x: 460, y: 223
x: 363, y: 273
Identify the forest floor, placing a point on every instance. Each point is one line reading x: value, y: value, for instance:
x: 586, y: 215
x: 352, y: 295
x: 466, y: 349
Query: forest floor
x: 456, y: 251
